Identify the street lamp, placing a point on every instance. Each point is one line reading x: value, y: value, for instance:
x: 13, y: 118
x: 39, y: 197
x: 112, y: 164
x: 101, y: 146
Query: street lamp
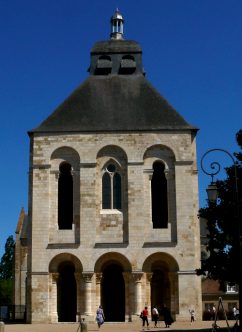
x: 212, y: 192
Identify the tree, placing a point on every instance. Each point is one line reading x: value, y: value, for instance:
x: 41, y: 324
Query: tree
x: 6, y: 272
x: 7, y: 260
x: 223, y: 222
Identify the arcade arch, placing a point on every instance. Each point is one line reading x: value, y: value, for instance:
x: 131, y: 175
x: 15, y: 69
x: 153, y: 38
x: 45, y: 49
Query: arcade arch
x: 65, y: 182
x: 112, y: 269
x: 159, y: 179
x: 64, y: 270
x: 161, y: 270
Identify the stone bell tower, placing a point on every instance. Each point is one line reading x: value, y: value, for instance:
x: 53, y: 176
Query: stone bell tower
x: 113, y: 198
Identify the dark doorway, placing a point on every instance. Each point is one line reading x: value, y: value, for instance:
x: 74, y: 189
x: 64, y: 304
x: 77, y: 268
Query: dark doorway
x: 160, y: 289
x: 66, y: 293
x: 113, y: 294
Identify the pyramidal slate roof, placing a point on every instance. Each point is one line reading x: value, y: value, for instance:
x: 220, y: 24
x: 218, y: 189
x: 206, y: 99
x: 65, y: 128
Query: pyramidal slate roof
x: 114, y: 103
x: 116, y: 97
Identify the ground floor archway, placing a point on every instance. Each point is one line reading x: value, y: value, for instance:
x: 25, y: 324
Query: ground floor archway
x: 160, y: 290
x: 66, y: 293
x: 162, y: 271
x: 113, y: 293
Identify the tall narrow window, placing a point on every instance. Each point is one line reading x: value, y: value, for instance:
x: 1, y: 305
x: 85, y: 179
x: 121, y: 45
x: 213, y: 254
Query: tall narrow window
x: 111, y: 188
x: 106, y: 191
x: 159, y: 196
x: 65, y: 197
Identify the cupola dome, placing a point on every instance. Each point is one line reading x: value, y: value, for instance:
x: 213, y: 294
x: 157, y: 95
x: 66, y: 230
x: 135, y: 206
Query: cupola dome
x: 117, y: 25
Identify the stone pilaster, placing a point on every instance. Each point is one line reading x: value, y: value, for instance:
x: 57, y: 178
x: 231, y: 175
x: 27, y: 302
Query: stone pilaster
x: 53, y: 311
x: 98, y: 289
x: 78, y: 295
x: 148, y: 288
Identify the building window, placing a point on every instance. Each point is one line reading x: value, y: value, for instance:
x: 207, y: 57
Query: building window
x: 231, y: 288
x: 65, y: 197
x: 111, y: 188
x: 127, y: 65
x: 159, y: 196
x: 104, y: 65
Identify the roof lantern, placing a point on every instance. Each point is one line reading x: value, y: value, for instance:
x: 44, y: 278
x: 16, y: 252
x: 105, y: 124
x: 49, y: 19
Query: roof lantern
x: 117, y: 25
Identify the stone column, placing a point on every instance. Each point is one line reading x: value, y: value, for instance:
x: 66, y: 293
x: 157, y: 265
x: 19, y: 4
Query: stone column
x: 138, y: 305
x: 53, y: 311
x: 87, y: 277
x: 148, y: 289
x: 98, y: 289
x: 126, y: 276
x: 78, y: 295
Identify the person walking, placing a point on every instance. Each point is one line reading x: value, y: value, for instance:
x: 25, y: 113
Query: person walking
x: 236, y: 312
x: 144, y: 317
x: 213, y: 312
x: 100, y: 316
x: 167, y: 316
x: 155, y: 315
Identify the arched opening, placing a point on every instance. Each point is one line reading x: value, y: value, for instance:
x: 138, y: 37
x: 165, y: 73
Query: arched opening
x: 159, y: 196
x: 164, y: 281
x: 127, y: 65
x: 104, y: 65
x: 66, y: 293
x: 65, y: 197
x: 160, y: 289
x: 113, y: 293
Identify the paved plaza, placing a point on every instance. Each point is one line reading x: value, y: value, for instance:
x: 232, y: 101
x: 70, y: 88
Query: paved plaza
x: 113, y: 327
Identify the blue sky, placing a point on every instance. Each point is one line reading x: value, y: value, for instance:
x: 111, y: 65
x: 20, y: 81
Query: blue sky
x: 191, y: 54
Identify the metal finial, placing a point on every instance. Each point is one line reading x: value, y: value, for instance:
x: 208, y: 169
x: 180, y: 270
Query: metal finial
x: 117, y: 25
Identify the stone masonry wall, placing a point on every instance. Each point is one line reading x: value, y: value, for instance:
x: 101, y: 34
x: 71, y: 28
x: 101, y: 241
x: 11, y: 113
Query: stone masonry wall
x: 128, y: 231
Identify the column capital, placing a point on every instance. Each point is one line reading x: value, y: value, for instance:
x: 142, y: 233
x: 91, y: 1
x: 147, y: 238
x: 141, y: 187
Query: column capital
x: 87, y: 276
x: 126, y: 276
x: 137, y: 275
x: 149, y: 276
x: 55, y: 276
x: 56, y: 174
x: 99, y: 276
x: 77, y: 275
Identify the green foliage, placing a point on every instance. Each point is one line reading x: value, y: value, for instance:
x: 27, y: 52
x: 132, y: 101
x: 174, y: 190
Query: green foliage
x: 7, y: 272
x: 223, y: 223
x: 6, y: 292
x: 7, y: 260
